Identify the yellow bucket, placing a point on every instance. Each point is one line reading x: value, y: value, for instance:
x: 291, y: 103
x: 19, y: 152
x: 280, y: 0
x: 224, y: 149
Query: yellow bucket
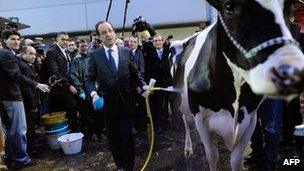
x: 53, y: 118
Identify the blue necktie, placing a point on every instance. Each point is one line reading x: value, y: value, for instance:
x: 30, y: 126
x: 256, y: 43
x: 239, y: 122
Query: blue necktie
x: 159, y: 54
x: 111, y: 60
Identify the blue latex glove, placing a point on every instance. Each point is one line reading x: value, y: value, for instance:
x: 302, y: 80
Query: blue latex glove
x: 82, y: 95
x: 98, y: 104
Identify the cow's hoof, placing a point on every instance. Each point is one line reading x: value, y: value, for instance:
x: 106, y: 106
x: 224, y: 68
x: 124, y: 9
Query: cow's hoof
x: 188, y: 152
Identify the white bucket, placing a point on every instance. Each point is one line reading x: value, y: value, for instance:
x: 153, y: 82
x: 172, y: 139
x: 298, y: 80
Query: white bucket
x: 71, y: 143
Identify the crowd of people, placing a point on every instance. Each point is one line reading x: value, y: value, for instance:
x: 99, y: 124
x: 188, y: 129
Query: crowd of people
x: 98, y: 83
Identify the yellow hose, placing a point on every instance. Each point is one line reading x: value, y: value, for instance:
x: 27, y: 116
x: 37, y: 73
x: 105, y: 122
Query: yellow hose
x: 150, y: 128
x: 152, y: 133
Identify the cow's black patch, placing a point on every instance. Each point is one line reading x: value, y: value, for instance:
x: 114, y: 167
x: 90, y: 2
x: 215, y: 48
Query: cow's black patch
x: 250, y: 27
x: 210, y: 81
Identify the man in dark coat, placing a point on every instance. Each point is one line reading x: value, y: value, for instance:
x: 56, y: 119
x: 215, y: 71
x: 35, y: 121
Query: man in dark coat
x: 89, y: 121
x: 58, y: 64
x: 11, y: 101
x: 140, y: 112
x: 157, y: 66
x: 29, y: 94
x: 72, y: 49
x: 113, y: 67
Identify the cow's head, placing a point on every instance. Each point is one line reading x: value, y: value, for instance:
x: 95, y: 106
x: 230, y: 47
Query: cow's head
x: 261, y: 44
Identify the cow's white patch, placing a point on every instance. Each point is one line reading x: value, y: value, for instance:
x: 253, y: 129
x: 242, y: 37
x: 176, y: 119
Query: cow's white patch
x: 178, y: 46
x: 200, y: 40
x: 275, y: 6
x: 239, y: 76
x: 281, y: 3
x: 260, y: 76
x: 220, y: 122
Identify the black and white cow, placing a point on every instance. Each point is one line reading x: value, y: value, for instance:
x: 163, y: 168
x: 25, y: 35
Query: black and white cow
x: 248, y: 51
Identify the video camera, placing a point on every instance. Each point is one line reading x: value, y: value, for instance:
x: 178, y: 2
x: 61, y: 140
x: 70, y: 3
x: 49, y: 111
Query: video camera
x: 140, y: 24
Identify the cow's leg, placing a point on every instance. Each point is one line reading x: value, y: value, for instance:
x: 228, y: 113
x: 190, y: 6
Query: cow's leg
x: 222, y: 124
x: 210, y: 149
x: 245, y: 131
x: 188, y: 151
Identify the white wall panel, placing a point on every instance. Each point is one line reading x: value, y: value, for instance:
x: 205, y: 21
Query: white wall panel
x: 46, y: 16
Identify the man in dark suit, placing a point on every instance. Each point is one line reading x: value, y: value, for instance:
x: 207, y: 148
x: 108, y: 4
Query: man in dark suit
x: 58, y: 64
x: 140, y: 112
x: 157, y: 66
x: 113, y: 67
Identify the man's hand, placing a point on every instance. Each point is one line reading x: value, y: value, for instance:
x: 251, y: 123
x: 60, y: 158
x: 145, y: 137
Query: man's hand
x: 145, y: 87
x: 43, y: 87
x: 97, y: 102
x: 73, y: 89
x: 139, y: 90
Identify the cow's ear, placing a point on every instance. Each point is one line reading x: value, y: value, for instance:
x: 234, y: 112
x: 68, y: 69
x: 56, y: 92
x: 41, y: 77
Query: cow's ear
x: 215, y: 3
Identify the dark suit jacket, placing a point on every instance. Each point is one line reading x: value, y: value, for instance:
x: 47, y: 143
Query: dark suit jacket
x: 114, y: 87
x: 140, y: 64
x: 29, y: 94
x: 11, y: 77
x: 56, y: 63
x: 155, y: 68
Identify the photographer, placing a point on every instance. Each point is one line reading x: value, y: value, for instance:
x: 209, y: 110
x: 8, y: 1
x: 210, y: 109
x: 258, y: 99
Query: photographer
x: 95, y: 42
x: 140, y: 24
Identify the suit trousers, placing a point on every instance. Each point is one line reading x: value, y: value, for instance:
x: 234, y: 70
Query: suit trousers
x: 120, y: 138
x: 159, y: 108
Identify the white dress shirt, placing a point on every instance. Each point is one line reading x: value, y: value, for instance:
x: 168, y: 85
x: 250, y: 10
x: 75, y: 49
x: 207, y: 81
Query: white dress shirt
x: 63, y: 50
x: 115, y: 56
